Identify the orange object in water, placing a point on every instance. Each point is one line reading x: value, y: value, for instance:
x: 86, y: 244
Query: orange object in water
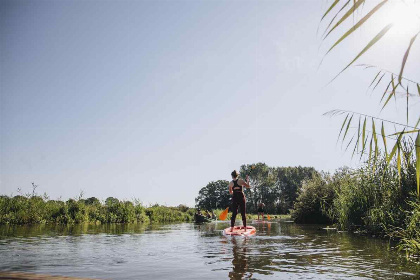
x: 240, y: 231
x: 224, y: 214
x: 268, y: 217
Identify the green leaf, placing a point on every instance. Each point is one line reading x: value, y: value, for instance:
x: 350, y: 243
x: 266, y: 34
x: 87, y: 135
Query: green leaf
x: 391, y: 94
x: 374, y: 132
x: 405, y: 132
x: 406, y: 56
x: 370, y: 151
x: 384, y: 138
x: 330, y: 8
x: 356, y: 147
x: 417, y: 123
x: 394, y: 149
x: 363, y: 136
x: 368, y: 46
x: 347, y: 128
x: 386, y: 89
x: 332, y: 20
x: 342, y: 126
x: 380, y: 79
x: 418, y: 163
x: 407, y: 104
x: 375, y: 79
x: 346, y: 15
x: 375, y: 139
x: 418, y: 88
x: 358, y: 24
x: 399, y: 163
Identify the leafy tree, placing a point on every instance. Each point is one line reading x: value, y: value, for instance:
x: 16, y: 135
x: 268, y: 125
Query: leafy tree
x: 289, y: 180
x: 263, y: 181
x: 214, y: 195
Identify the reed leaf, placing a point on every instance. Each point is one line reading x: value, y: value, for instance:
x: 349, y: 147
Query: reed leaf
x: 399, y: 163
x: 386, y: 89
x: 375, y: 78
x: 405, y: 132
x: 418, y: 163
x: 347, y: 128
x: 358, y: 24
x: 356, y: 5
x: 356, y: 147
x: 380, y: 79
x: 391, y: 94
x: 406, y: 56
x: 418, y: 121
x: 330, y: 8
x: 363, y: 135
x: 332, y: 20
x: 384, y: 138
x: 342, y: 126
x: 368, y: 46
x: 370, y: 151
x: 394, y: 149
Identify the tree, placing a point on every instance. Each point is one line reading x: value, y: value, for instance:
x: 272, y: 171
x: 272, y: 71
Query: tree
x: 213, y: 196
x: 290, y: 180
x: 262, y: 179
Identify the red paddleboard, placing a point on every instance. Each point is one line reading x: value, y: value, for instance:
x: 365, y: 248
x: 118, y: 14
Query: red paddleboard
x: 240, y: 231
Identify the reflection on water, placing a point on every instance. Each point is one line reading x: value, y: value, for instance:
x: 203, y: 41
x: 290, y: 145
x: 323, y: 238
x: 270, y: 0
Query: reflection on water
x: 187, y: 251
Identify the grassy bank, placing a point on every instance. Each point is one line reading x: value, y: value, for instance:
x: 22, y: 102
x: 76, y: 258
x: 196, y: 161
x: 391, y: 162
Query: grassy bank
x: 372, y: 199
x: 34, y: 209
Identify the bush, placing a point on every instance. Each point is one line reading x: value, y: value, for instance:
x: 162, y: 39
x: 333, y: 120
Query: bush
x: 314, y: 201
x: 32, y: 209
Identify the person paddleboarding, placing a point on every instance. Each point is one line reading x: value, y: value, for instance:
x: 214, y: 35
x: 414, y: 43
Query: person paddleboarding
x: 238, y: 198
x: 261, y: 210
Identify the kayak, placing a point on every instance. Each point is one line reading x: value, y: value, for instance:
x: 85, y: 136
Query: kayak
x: 240, y: 231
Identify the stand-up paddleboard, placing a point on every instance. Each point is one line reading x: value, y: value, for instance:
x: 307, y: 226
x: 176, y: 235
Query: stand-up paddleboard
x: 240, y: 231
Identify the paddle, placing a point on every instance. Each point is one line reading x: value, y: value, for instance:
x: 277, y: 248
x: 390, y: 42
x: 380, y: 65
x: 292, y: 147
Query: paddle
x: 268, y: 217
x: 224, y: 214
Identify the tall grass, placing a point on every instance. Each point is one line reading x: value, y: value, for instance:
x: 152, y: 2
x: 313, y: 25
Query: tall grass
x: 373, y: 199
x: 34, y: 209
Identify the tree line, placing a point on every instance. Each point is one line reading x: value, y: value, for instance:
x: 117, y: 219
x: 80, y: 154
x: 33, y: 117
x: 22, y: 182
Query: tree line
x: 276, y: 187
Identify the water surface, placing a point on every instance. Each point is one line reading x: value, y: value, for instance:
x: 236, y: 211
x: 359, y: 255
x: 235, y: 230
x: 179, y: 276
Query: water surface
x: 281, y: 250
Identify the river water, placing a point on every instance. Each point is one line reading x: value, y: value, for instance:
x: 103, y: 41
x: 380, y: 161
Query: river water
x: 280, y: 250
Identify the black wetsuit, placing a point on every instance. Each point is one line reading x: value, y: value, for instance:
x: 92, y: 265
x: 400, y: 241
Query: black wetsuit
x: 238, y: 200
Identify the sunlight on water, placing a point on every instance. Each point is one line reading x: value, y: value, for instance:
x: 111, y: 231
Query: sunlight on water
x: 188, y: 251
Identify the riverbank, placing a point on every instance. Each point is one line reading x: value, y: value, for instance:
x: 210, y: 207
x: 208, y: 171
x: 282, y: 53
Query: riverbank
x: 35, y: 209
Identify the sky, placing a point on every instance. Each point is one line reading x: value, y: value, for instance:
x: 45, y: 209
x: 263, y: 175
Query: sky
x: 154, y: 99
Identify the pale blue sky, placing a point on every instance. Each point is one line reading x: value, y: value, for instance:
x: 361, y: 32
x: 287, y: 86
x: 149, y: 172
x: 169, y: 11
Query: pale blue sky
x: 154, y: 99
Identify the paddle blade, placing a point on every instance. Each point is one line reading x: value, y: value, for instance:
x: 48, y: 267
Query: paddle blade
x: 224, y: 214
x: 268, y: 217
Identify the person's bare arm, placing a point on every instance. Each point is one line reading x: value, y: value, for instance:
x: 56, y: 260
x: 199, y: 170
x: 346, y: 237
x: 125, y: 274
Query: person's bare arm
x: 243, y: 183
x: 230, y: 188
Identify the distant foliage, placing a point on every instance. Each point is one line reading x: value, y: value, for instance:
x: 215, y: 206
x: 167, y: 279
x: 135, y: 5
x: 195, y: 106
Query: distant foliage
x: 34, y: 209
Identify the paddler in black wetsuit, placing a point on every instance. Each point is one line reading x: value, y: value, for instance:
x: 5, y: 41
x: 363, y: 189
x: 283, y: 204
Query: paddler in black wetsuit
x: 238, y: 198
